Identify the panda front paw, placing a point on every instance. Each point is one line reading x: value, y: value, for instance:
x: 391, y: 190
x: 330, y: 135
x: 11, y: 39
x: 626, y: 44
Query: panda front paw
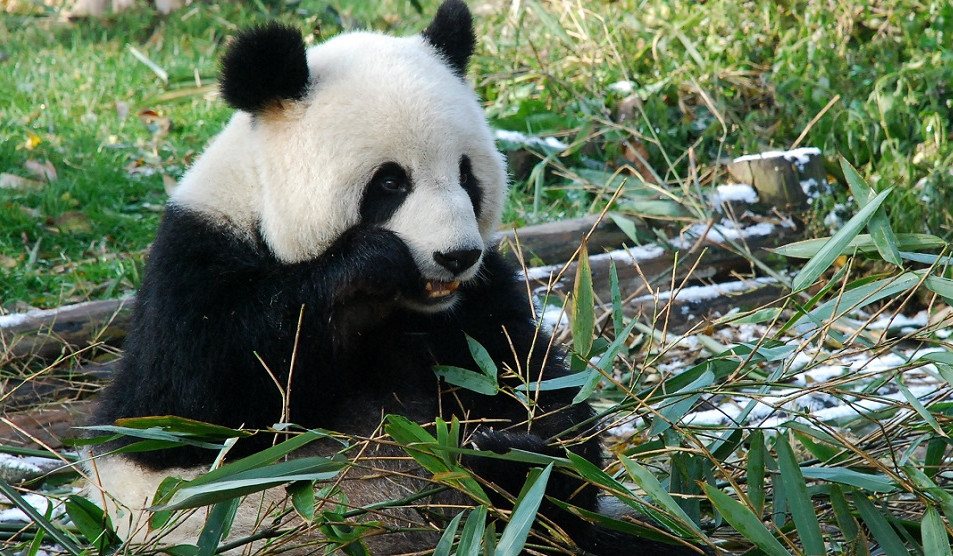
x: 506, y: 475
x: 374, y: 264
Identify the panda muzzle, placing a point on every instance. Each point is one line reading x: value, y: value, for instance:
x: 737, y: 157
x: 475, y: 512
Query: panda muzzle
x: 436, y: 289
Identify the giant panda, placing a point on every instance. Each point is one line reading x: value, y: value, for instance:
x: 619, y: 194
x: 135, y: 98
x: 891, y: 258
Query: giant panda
x: 342, y: 223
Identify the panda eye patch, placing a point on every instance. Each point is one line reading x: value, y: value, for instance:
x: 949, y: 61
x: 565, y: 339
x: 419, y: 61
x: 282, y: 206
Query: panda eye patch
x: 469, y: 184
x: 384, y: 194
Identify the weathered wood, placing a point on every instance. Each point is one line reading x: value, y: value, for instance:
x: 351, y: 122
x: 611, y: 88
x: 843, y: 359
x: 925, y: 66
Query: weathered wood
x: 49, y: 333
x: 778, y: 176
x: 554, y: 242
x: 636, y: 267
x: 47, y: 425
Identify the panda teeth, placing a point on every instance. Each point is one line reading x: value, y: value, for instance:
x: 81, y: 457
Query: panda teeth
x: 436, y: 289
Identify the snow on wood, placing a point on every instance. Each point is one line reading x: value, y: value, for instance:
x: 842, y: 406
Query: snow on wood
x: 784, y: 179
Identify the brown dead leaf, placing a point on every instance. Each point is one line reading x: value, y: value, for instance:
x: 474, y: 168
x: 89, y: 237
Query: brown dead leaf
x: 41, y: 170
x: 169, y: 183
x: 637, y: 155
x: 72, y: 222
x: 628, y: 108
x: 13, y: 181
x: 10, y: 262
x: 158, y: 125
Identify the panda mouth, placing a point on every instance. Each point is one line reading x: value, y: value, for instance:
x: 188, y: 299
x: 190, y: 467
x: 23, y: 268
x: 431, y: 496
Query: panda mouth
x: 436, y: 289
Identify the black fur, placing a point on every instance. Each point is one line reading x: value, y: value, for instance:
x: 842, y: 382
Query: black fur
x: 451, y: 33
x: 469, y: 183
x: 264, y: 66
x: 385, y: 193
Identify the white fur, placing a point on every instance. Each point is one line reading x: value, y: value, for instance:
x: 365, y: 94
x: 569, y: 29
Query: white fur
x: 301, y: 169
x: 117, y: 476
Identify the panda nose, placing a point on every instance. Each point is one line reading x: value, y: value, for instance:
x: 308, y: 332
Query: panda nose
x: 457, y: 261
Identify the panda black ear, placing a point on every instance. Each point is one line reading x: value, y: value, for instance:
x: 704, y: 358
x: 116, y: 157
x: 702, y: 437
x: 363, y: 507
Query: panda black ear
x: 451, y: 33
x: 264, y: 65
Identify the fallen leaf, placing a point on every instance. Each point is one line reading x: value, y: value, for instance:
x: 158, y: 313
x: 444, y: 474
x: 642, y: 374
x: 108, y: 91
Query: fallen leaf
x: 158, y: 125
x: 637, y: 155
x: 41, y: 170
x: 12, y: 181
x: 9, y: 262
x: 73, y: 222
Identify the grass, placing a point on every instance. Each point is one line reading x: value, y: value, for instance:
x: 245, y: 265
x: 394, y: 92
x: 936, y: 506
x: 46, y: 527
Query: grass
x: 715, y: 80
x: 872, y: 82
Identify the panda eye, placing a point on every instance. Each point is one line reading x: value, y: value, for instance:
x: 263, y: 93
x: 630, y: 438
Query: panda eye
x: 391, y: 184
x: 391, y: 178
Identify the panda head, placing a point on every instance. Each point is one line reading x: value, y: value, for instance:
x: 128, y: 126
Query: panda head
x: 361, y: 129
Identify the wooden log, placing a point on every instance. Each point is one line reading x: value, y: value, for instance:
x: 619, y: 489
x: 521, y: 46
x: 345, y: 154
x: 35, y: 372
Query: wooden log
x: 554, y: 242
x: 781, y: 177
x: 44, y: 426
x: 643, y: 267
x: 49, y: 333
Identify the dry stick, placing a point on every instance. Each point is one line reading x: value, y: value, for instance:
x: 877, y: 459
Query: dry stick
x: 286, y: 410
x: 814, y: 120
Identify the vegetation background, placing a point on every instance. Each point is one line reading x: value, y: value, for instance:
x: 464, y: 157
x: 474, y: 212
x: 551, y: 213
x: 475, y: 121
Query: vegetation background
x: 100, y: 116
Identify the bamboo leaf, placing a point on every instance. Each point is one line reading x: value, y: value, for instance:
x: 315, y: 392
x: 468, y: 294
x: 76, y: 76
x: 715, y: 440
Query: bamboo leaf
x: 52, y: 530
x: 482, y: 358
x: 834, y: 246
x: 866, y: 481
x: 919, y: 408
x: 473, y: 381
x: 472, y: 533
x: 845, y: 519
x: 514, y: 535
x: 550, y: 23
x: 92, y: 522
x: 861, y: 296
x: 583, y: 307
x: 202, y: 492
x: 934, y: 536
x: 647, y: 481
x: 744, y: 521
x: 879, y: 225
x: 941, y: 495
x: 879, y: 527
x: 862, y: 243
x: 802, y: 510
x: 446, y: 539
x: 755, y: 467
x: 216, y: 526
x: 941, y: 286
x: 302, y: 499
x: 618, y: 316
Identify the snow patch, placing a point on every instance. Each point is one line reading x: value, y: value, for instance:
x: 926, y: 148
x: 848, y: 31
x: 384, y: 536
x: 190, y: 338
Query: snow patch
x: 40, y: 503
x: 550, y: 143
x: 721, y: 233
x: 633, y: 254
x: 703, y: 293
x: 799, y: 157
x: 622, y: 87
x: 734, y: 193
x: 894, y: 322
